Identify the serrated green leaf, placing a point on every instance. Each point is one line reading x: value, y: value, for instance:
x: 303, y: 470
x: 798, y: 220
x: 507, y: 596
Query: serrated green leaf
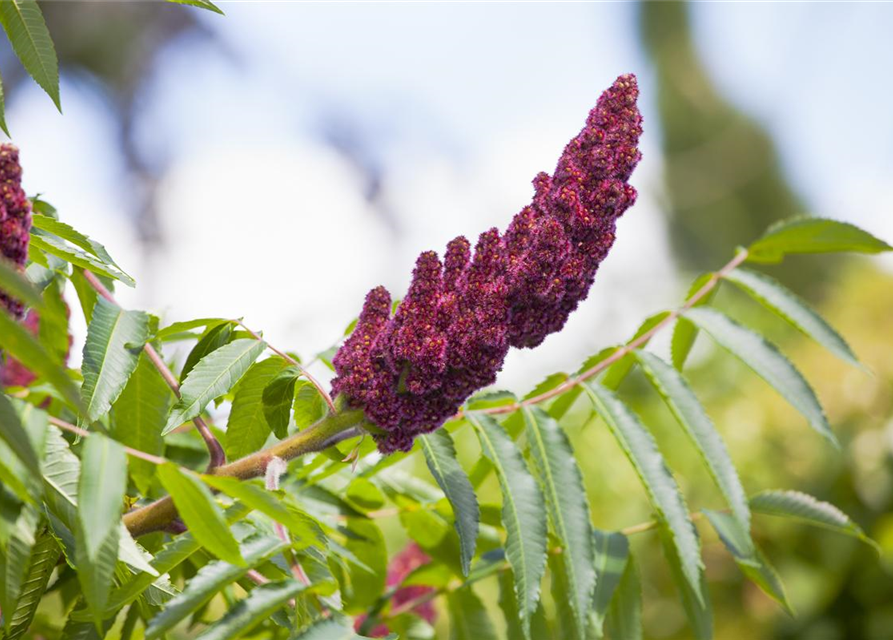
x: 261, y: 603
x: 685, y: 333
x: 624, y: 619
x: 210, y: 580
x: 768, y: 362
x: 697, y: 425
x: 696, y: 603
x: 16, y: 340
x: 806, y: 508
x: 299, y: 524
x: 567, y: 506
x: 812, y: 235
x: 508, y: 603
x: 247, y: 428
x: 101, y: 488
x: 24, y: 25
x: 61, y: 477
x: 213, y: 376
x: 115, y: 339
x: 617, y: 372
x: 15, y: 284
x: 776, y: 297
x: 522, y: 509
x: 56, y: 246
x: 138, y: 417
x: 214, y: 338
x: 278, y: 397
x: 611, y: 556
x: 67, y: 232
x: 186, y: 325
x: 16, y: 546
x: 748, y: 556
x: 641, y: 449
x: 42, y: 561
x: 15, y: 436
x: 166, y: 559
x: 440, y: 454
x: 201, y: 4
x: 309, y: 405
x: 468, y: 617
x: 200, y: 512
x: 96, y: 570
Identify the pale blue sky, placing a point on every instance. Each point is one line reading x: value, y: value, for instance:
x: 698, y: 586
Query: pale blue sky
x: 460, y: 104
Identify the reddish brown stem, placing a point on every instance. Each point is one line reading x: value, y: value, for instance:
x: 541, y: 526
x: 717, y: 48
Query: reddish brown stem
x: 215, y: 451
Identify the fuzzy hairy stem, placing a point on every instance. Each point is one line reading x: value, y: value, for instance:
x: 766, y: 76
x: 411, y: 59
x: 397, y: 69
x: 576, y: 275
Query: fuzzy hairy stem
x: 215, y: 450
x: 323, y: 434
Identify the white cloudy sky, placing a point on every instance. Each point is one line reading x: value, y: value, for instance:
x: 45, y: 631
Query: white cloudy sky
x: 461, y: 104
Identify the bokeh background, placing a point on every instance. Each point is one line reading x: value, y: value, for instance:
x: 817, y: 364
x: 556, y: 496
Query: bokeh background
x: 278, y: 162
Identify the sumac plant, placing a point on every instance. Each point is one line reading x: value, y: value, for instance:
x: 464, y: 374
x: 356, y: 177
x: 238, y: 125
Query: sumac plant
x: 139, y: 505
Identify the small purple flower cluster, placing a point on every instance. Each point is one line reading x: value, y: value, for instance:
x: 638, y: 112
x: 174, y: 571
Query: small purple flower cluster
x: 450, y: 335
x: 15, y: 219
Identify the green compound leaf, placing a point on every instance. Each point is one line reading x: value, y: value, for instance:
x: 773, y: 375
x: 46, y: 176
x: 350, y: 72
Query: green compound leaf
x: 247, y: 428
x: 200, y: 512
x: 696, y: 602
x: 700, y: 429
x: 568, y: 508
x: 777, y: 298
x: 804, y: 507
x: 168, y: 558
x: 44, y: 555
x: 812, y: 235
x: 214, y: 338
x: 183, y: 326
x: 440, y: 454
x: 768, y: 362
x: 210, y: 580
x: 641, y: 449
x: 299, y: 524
x: 138, y: 417
x: 75, y: 237
x: 618, y: 371
x: 24, y: 25
x: 115, y: 339
x: 262, y: 602
x: 748, y: 556
x: 611, y: 556
x: 213, y: 376
x: 624, y: 618
x: 523, y: 507
x: 101, y: 488
x: 685, y: 333
x: 54, y: 245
